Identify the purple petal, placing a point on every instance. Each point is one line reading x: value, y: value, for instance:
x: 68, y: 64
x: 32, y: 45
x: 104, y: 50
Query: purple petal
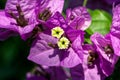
x: 55, y: 58
x: 75, y: 34
x: 57, y: 20
x: 41, y: 53
x: 115, y: 29
x: 53, y: 5
x: 57, y: 73
x: 71, y: 60
x: 83, y: 72
x: 107, y: 67
x: 78, y: 18
x: 41, y: 44
x: 28, y: 7
x: 116, y: 44
x: 77, y: 46
x: 5, y: 22
x: 92, y: 73
x: 99, y: 41
x: 25, y: 31
x: 77, y: 73
x: 10, y: 24
x: 106, y: 61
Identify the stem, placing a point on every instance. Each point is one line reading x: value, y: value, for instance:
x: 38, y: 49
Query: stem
x: 85, y: 3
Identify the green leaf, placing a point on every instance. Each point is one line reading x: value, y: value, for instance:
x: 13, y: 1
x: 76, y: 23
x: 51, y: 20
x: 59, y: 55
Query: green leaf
x: 101, y: 22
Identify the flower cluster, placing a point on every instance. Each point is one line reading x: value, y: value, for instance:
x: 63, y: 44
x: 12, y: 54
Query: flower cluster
x: 58, y: 41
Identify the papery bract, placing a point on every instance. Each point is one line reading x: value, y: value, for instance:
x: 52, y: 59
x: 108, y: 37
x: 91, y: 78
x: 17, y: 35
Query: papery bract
x: 52, y: 5
x: 78, y: 18
x: 108, y: 58
x: 50, y: 73
x: 42, y: 53
x: 47, y: 9
x: 18, y: 16
x: 115, y: 30
x: 86, y: 72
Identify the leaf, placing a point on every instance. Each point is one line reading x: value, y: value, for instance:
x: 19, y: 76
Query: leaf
x: 101, y: 22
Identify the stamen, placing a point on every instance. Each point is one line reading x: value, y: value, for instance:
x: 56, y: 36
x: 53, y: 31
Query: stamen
x: 57, y: 32
x: 45, y: 15
x: 72, y: 17
x: 108, y: 50
x: 18, y: 9
x: 63, y: 43
x: 52, y: 45
x: 21, y: 16
x: 91, y: 58
x: 12, y: 15
x: 36, y: 30
x: 21, y: 21
x: 41, y: 28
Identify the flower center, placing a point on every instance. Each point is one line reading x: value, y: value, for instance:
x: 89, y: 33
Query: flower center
x: 92, y: 57
x: 63, y: 43
x: 45, y: 15
x: 52, y: 45
x: 72, y: 17
x: 57, y: 32
x: 108, y: 50
x: 21, y: 21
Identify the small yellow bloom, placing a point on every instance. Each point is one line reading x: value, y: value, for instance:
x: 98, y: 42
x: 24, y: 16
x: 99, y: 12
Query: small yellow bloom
x: 63, y: 43
x: 57, y: 32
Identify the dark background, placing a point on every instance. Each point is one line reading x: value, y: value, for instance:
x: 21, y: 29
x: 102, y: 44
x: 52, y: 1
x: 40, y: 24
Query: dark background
x: 14, y: 51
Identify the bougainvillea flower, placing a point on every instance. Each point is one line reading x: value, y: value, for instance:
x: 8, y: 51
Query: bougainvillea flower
x: 47, y: 73
x: 52, y: 5
x: 45, y: 11
x: 58, y: 20
x: 90, y: 68
x: 48, y: 8
x: 108, y: 58
x: 44, y: 50
x: 57, y: 32
x: 115, y: 30
x: 63, y: 43
x: 78, y: 18
x: 4, y: 33
x: 18, y: 16
x: 42, y: 53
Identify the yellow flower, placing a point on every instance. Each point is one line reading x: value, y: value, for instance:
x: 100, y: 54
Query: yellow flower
x: 63, y: 43
x: 57, y: 32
